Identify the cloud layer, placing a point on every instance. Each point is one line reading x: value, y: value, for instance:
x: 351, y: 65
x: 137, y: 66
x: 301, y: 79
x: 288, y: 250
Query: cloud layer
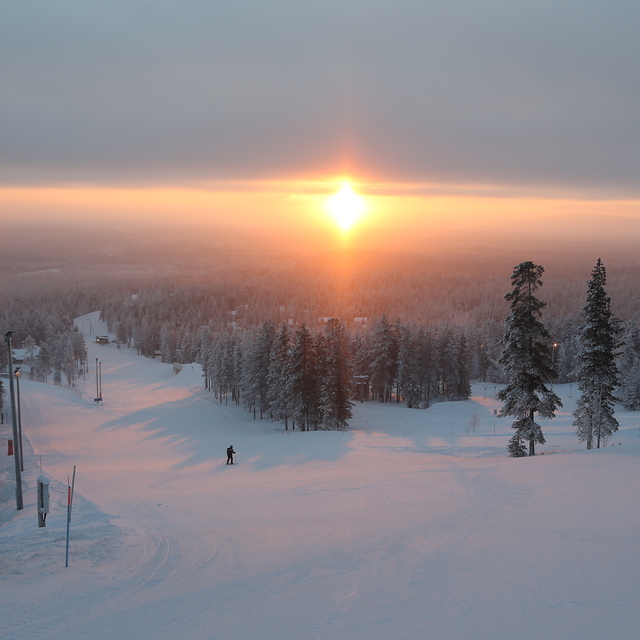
x: 503, y: 92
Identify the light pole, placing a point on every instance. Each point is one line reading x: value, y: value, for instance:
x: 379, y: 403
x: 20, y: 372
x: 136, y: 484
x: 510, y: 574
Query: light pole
x: 16, y: 448
x: 16, y: 373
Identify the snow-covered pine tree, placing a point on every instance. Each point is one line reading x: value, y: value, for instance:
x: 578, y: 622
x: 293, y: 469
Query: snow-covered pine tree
x: 30, y: 347
x: 384, y: 359
x: 597, y: 369
x: 462, y: 384
x: 336, y: 381
x: 256, y: 367
x: 361, y: 362
x: 630, y: 369
x: 248, y: 380
x: 409, y: 367
x: 630, y: 390
x: 43, y: 363
x: 301, y: 381
x: 205, y: 340
x: 278, y: 397
x: 446, y: 362
x: 527, y: 361
x: 320, y: 351
x: 429, y: 381
x: 219, y: 366
x: 168, y: 342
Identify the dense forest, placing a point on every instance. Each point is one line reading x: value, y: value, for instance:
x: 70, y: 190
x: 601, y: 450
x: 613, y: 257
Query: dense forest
x: 405, y: 327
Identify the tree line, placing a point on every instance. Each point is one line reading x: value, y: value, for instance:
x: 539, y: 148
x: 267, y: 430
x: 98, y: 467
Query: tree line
x: 252, y: 361
x: 310, y: 378
x: 43, y: 327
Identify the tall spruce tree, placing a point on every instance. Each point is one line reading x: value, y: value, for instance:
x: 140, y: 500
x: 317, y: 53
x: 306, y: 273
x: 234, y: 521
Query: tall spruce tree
x: 278, y: 379
x: 630, y: 369
x: 527, y: 361
x: 597, y: 371
x: 384, y: 359
x: 409, y: 367
x: 302, y: 379
x: 336, y: 382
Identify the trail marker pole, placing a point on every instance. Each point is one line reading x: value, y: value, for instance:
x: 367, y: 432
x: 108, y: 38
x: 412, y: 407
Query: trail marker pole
x: 69, y: 504
x: 16, y: 373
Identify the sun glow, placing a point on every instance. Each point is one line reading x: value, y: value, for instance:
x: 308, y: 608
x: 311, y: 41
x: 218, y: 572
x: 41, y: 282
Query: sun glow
x: 346, y: 207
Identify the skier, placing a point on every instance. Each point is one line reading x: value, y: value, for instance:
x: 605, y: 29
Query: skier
x: 230, y: 453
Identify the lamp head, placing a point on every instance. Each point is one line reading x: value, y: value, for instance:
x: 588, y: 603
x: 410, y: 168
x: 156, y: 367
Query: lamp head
x: 8, y: 336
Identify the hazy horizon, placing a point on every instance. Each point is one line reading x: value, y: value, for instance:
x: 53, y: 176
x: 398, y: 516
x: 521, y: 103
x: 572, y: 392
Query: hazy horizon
x: 512, y: 122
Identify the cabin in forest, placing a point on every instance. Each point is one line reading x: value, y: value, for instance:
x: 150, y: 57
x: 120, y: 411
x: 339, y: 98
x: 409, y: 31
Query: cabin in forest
x: 102, y: 339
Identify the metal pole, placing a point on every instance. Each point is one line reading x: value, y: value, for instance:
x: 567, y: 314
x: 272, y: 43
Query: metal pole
x: 70, y: 489
x: 17, y: 374
x: 16, y: 450
x: 100, y: 378
x: 97, y: 388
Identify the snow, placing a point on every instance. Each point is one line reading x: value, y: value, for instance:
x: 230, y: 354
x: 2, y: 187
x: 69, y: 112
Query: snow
x: 403, y: 527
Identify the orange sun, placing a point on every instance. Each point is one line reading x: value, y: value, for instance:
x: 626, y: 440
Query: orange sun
x: 346, y: 207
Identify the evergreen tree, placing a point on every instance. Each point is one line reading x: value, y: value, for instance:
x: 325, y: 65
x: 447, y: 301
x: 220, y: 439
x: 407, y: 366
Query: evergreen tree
x: 409, y: 367
x: 361, y: 363
x: 630, y: 370
x: 168, y: 343
x: 320, y: 351
x: 278, y: 397
x: 301, y: 384
x: 384, y: 359
x: 462, y: 381
x: 255, y: 366
x: 446, y: 359
x: 429, y: 380
x: 205, y: 340
x: 526, y: 360
x: 336, y: 382
x: 597, y: 371
x: 630, y: 390
x: 30, y: 347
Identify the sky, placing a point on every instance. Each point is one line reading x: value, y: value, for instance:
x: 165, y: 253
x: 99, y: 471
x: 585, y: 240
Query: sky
x: 243, y: 113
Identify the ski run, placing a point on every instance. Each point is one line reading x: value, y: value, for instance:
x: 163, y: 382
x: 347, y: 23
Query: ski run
x: 413, y: 524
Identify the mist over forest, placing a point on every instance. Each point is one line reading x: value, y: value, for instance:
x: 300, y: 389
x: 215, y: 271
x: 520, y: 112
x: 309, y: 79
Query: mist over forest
x: 274, y: 275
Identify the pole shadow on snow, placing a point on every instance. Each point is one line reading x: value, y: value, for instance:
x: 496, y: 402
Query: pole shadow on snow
x: 457, y: 428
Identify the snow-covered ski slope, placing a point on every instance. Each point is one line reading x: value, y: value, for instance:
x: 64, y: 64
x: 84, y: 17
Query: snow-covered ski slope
x: 403, y: 527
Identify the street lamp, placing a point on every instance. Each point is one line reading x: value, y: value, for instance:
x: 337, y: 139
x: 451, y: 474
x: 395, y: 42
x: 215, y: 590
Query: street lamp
x: 14, y: 421
x: 16, y: 373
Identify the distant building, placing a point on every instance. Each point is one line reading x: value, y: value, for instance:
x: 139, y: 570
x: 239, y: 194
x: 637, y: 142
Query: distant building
x: 20, y: 355
x: 102, y: 339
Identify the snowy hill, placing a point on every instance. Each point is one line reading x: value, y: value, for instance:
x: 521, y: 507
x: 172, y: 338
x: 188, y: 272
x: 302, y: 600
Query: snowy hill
x: 407, y: 526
